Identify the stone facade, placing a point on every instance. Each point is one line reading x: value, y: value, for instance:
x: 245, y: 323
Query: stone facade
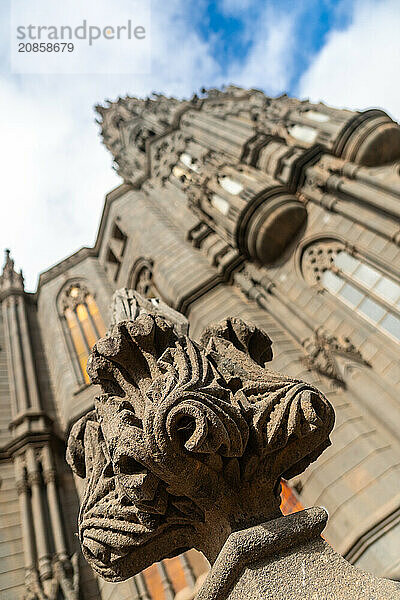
x: 279, y: 212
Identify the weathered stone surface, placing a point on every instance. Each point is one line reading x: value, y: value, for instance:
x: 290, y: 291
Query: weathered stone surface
x: 188, y: 441
x: 143, y: 243
x: 287, y: 558
x: 127, y: 305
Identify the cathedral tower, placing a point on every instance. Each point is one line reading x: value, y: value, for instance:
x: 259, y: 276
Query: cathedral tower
x: 279, y: 211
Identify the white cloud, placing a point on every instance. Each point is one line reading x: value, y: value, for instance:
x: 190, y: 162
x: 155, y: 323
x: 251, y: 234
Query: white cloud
x: 360, y: 66
x: 269, y: 64
x: 54, y: 170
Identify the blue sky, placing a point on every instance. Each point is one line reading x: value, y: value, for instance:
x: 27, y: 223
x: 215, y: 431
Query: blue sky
x: 53, y: 167
x: 231, y: 26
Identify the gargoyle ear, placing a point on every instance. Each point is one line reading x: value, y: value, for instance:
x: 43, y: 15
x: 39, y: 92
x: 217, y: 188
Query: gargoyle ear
x: 75, y: 454
x: 246, y: 338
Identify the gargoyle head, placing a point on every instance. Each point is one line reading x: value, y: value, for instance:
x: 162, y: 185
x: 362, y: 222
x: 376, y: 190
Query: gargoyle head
x: 188, y: 441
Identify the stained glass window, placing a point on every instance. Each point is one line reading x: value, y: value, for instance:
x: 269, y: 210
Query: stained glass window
x: 84, y: 325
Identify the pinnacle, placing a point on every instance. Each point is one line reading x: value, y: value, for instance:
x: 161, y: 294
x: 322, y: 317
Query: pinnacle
x: 10, y: 277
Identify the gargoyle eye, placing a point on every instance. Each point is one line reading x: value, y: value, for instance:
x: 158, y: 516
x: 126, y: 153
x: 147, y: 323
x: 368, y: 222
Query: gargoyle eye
x: 126, y: 465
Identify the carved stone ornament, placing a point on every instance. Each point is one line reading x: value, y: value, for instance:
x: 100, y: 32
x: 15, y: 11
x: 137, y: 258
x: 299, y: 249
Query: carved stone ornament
x: 322, y: 348
x: 188, y: 441
x: 318, y: 258
x: 165, y: 153
x: 196, y: 183
x: 128, y: 124
x: 74, y: 295
x: 141, y: 277
x: 272, y: 117
x: 64, y: 582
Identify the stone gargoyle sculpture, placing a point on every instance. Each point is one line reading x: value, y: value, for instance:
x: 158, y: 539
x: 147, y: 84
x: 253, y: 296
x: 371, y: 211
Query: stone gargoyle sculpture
x: 188, y: 441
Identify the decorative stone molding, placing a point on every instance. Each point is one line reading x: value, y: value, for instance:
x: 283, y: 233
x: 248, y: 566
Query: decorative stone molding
x: 64, y: 582
x: 322, y: 348
x: 246, y: 220
x: 22, y: 487
x: 188, y: 441
x: 197, y: 234
x: 33, y: 587
x: 66, y: 574
x: 165, y: 153
x: 233, y: 102
x: 319, y: 257
x: 220, y: 254
x: 288, y: 558
x: 34, y: 478
x: 49, y: 476
x: 141, y: 277
x: 74, y: 295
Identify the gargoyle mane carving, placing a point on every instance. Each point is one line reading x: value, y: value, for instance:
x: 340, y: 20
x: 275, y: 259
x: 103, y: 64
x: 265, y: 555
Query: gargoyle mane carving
x: 188, y: 440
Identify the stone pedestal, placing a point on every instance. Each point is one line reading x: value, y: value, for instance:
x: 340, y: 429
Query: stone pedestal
x: 287, y: 558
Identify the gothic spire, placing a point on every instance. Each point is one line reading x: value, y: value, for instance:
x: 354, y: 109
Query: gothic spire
x: 9, y: 277
x: 128, y: 124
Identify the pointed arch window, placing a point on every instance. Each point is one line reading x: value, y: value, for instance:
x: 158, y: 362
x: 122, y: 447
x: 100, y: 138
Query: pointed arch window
x: 83, y: 325
x: 362, y: 287
x: 141, y: 278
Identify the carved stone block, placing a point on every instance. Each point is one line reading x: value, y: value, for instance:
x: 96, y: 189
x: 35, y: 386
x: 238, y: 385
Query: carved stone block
x: 287, y: 558
x: 187, y: 442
